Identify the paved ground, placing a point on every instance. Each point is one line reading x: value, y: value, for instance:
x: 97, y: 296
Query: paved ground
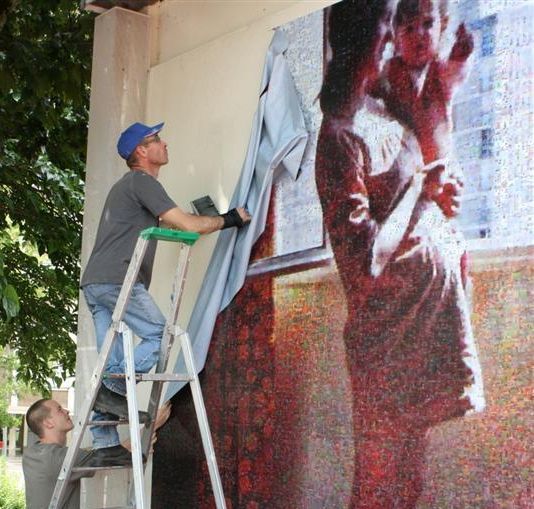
x: 14, y: 469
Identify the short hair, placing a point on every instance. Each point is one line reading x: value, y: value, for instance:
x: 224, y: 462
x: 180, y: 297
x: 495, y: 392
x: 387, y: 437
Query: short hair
x: 35, y: 416
x: 409, y: 9
x: 132, y: 160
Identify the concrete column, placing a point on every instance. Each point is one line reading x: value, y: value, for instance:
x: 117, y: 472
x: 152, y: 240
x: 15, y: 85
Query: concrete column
x: 4, y: 441
x: 118, y: 95
x: 12, y: 442
x: 24, y: 429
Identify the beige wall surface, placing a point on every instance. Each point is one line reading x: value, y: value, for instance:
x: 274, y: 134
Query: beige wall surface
x: 183, y: 25
x: 207, y: 95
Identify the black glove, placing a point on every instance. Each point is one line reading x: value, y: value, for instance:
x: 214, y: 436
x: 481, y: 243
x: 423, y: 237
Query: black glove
x: 232, y: 218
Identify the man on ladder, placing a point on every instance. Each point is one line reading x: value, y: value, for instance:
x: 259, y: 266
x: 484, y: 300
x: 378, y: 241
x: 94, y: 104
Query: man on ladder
x: 136, y: 202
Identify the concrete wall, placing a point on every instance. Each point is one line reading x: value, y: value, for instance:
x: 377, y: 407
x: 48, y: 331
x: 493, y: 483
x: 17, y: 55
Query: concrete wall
x: 197, y: 66
x: 118, y: 98
x: 204, y: 80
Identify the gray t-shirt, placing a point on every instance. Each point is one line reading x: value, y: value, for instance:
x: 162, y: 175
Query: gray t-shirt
x: 134, y: 203
x: 41, y: 464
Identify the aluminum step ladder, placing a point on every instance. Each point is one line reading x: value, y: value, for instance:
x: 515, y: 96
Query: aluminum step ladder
x: 141, y: 445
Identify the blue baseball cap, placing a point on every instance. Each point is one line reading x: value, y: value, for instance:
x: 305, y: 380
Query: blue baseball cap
x: 131, y: 137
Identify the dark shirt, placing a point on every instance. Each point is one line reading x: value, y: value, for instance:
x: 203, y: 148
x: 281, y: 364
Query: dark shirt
x: 134, y: 203
x: 41, y: 464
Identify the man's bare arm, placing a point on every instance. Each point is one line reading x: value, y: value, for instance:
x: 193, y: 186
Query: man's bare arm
x: 177, y: 218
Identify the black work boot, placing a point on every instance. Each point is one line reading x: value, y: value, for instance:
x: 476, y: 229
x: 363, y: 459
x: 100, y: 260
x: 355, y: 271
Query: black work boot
x: 116, y: 456
x: 116, y: 404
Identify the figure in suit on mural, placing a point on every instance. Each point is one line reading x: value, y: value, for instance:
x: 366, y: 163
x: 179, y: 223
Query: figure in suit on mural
x: 410, y: 350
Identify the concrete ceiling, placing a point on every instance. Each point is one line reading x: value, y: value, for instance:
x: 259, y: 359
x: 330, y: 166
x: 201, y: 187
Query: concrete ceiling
x: 104, y: 5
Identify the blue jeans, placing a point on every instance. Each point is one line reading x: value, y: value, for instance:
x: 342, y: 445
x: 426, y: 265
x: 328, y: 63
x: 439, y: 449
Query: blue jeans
x: 146, y: 321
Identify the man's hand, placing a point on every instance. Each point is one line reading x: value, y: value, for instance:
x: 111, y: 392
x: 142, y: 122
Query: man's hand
x: 161, y: 418
x: 463, y: 45
x: 245, y: 216
x: 235, y: 217
x: 163, y: 415
x: 432, y: 181
x: 449, y: 196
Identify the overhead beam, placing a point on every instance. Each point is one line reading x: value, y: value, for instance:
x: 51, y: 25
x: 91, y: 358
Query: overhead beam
x: 104, y: 5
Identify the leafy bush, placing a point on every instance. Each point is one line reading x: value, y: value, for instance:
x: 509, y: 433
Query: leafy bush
x: 11, y: 496
x: 45, y: 74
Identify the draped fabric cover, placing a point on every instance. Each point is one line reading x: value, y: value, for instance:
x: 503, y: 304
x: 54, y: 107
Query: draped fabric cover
x: 277, y: 143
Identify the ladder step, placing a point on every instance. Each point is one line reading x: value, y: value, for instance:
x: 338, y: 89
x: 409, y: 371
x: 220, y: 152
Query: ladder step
x: 108, y: 423
x: 119, y: 507
x: 141, y: 445
x: 165, y: 377
x: 169, y: 235
x: 97, y: 469
x: 154, y: 377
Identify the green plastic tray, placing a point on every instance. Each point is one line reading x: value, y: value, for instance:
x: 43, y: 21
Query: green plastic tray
x: 169, y: 235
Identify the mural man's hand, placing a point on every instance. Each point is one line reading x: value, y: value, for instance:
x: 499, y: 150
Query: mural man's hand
x: 432, y: 183
x: 464, y: 44
x: 449, y: 195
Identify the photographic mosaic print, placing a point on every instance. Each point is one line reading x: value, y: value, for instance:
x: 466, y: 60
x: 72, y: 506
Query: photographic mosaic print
x: 379, y: 358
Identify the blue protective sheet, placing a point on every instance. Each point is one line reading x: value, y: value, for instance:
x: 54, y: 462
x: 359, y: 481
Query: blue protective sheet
x: 278, y: 142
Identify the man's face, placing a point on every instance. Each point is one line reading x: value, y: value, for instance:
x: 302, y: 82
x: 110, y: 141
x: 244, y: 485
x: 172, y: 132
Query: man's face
x: 156, y: 150
x: 417, y: 38
x: 58, y: 418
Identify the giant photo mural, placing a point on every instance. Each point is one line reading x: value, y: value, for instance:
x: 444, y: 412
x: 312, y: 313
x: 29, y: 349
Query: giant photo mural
x: 378, y: 355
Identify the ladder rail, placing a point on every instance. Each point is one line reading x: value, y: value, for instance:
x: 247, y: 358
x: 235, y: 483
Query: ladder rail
x: 80, y: 425
x: 202, y: 418
x: 142, y: 444
x: 135, y: 436
x: 178, y: 285
x: 165, y: 349
x: 167, y: 340
x: 96, y: 378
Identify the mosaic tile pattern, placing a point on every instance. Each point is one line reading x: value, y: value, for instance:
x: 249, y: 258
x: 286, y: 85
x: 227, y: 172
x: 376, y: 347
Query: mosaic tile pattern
x: 277, y: 379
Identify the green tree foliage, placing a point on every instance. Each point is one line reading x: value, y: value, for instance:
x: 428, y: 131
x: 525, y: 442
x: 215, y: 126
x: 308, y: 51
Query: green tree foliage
x: 5, y: 7
x: 45, y: 57
x: 9, y: 386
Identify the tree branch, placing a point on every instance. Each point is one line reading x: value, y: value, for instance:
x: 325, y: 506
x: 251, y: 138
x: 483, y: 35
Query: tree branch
x: 5, y: 7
